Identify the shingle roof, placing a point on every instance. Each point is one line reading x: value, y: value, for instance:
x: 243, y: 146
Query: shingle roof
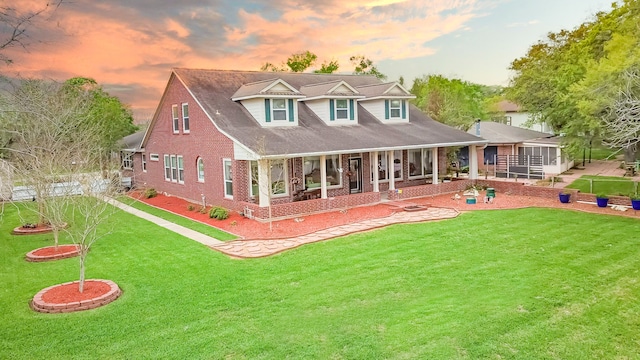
x: 498, y: 133
x: 315, y: 90
x: 379, y: 89
x: 508, y: 106
x: 213, y: 90
x: 132, y: 142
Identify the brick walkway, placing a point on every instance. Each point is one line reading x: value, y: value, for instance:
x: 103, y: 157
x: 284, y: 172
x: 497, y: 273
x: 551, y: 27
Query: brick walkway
x: 262, y: 248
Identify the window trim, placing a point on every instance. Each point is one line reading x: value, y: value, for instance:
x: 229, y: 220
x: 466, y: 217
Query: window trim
x: 285, y: 109
x: 375, y: 161
x: 167, y: 167
x: 422, y: 158
x: 346, y: 109
x: 180, y: 167
x: 127, y: 160
x: 144, y: 162
x: 186, y: 126
x: 392, y: 108
x: 154, y: 157
x: 227, y: 178
x: 199, y: 173
x: 339, y: 175
x: 174, y: 168
x: 176, y: 119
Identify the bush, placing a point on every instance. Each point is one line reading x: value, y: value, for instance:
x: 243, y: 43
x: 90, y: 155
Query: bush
x: 219, y: 213
x: 149, y: 193
x: 190, y: 207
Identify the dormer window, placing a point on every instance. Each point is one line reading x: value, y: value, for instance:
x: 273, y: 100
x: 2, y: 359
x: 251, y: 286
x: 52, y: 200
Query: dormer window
x: 394, y: 109
x: 279, y: 109
x: 342, y: 109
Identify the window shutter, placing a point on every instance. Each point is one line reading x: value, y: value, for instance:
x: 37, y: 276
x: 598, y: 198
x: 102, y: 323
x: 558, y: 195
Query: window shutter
x: 291, y: 117
x: 267, y: 110
x: 332, y: 110
x: 404, y: 109
x: 386, y: 109
x: 351, y: 109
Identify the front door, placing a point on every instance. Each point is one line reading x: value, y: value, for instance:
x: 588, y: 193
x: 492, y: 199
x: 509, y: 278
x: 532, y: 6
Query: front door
x: 355, y: 175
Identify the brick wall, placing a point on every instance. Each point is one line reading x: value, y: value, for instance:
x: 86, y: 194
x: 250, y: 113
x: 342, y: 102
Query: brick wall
x: 311, y: 206
x: 202, y: 141
x: 429, y: 189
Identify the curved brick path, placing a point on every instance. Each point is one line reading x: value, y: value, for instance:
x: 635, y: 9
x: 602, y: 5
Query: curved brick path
x: 261, y: 248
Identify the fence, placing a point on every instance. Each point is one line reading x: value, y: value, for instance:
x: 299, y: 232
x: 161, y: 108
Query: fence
x: 519, y: 166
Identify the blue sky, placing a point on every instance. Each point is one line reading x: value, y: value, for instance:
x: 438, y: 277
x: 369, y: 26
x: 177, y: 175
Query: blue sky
x: 130, y: 46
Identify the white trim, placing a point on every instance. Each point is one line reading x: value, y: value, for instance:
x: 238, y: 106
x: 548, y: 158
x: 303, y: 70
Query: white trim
x: 180, y: 167
x: 229, y: 175
x: 200, y: 176
x: 154, y: 157
x: 167, y: 166
x: 388, y: 97
x: 173, y: 161
x: 269, y: 96
x: 184, y: 128
x: 273, y: 110
x: 143, y: 157
x: 175, y: 119
x: 319, y: 97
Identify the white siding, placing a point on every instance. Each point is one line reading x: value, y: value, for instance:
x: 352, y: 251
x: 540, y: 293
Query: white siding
x: 520, y: 120
x: 322, y: 108
x: 376, y: 108
x: 256, y: 108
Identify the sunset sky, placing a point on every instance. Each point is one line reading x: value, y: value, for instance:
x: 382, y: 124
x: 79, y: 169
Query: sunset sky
x: 130, y: 46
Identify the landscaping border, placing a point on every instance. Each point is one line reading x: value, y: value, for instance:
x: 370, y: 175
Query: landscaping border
x: 38, y: 304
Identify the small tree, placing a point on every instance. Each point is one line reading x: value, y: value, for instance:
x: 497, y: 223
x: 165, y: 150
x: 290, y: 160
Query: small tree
x: 56, y: 150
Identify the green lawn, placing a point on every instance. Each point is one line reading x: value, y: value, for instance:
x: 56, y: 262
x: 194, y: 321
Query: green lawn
x: 608, y: 185
x: 512, y: 284
x: 177, y: 219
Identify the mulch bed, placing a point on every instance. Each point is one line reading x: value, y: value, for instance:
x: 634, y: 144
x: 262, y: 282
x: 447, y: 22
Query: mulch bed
x: 67, y: 297
x: 52, y: 253
x: 39, y: 229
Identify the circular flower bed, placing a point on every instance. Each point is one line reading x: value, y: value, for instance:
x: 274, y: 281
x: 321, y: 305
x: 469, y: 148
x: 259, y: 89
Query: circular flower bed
x: 52, y: 253
x: 29, y: 229
x: 66, y: 297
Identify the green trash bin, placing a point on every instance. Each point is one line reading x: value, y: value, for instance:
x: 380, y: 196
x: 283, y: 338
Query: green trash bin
x: 491, y: 192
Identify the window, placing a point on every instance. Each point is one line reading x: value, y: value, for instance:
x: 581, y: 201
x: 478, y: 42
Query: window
x: 549, y: 154
x: 342, y: 109
x: 395, y: 109
x: 490, y: 154
x: 176, y: 121
x: 127, y: 160
x: 144, y: 163
x: 228, y: 178
x: 279, y: 109
x: 185, y: 118
x: 312, y: 171
x: 383, y: 174
x: 174, y: 168
x: 278, y: 173
x: 167, y: 168
x: 180, y: 169
x: 154, y: 157
x: 200, y: 168
x: 420, y: 163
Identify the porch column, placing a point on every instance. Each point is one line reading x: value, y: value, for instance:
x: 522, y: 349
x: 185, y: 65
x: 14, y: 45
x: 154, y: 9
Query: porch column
x: 376, y: 173
x: 390, y: 171
x: 435, y: 166
x: 473, y: 162
x: 323, y: 176
x: 263, y: 182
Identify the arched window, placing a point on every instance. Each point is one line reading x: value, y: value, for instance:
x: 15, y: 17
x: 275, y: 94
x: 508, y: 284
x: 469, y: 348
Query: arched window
x: 200, y: 168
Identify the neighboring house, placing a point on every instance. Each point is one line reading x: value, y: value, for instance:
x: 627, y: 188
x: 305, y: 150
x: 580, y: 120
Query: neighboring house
x: 131, y: 150
x: 513, y: 151
x: 515, y: 116
x: 296, y: 141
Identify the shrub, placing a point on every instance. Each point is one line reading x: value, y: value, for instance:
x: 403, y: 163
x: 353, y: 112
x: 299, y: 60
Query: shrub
x: 149, y: 193
x: 602, y: 196
x: 219, y: 213
x: 190, y: 207
x: 203, y: 210
x: 634, y: 196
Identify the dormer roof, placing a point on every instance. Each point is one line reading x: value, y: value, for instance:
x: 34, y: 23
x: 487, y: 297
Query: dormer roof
x: 385, y: 90
x: 330, y: 89
x: 266, y: 88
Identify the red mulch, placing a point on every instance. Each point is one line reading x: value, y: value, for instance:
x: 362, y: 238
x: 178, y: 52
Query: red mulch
x: 52, y: 250
x: 67, y: 293
x: 252, y: 229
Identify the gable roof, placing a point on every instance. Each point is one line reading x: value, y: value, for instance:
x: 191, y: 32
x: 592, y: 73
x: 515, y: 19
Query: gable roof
x: 132, y: 142
x: 271, y: 87
x: 328, y: 89
x: 498, y: 133
x: 213, y: 91
x: 390, y: 89
x: 508, y: 106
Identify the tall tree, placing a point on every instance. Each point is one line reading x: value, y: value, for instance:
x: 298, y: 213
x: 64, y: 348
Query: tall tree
x: 551, y: 79
x: 297, y: 62
x: 14, y: 26
x: 450, y: 101
x: 328, y: 67
x: 364, y: 66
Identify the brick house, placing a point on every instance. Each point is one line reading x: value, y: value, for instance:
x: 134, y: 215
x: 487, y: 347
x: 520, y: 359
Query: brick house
x: 294, y: 142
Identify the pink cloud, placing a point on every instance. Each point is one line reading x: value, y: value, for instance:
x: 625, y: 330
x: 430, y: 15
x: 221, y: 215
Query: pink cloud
x: 116, y: 45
